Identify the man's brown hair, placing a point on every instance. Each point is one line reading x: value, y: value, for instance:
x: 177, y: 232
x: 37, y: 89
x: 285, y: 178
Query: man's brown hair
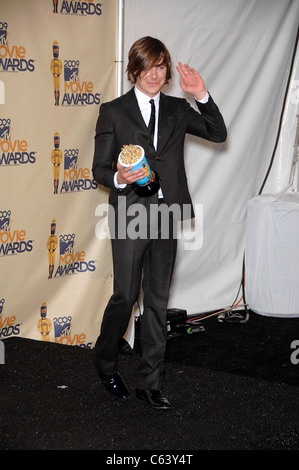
x: 144, y: 54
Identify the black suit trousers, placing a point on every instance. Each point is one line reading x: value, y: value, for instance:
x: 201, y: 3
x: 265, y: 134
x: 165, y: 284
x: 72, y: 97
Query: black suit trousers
x: 146, y: 258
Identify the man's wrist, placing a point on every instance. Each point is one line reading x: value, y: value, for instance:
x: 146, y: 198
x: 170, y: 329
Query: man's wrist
x: 117, y: 184
x: 202, y: 97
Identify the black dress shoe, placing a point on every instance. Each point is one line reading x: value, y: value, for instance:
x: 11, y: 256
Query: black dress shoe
x: 114, y: 384
x: 154, y: 398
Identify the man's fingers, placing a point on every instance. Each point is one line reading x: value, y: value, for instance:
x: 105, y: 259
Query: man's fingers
x: 128, y: 176
x: 181, y: 69
x: 136, y: 175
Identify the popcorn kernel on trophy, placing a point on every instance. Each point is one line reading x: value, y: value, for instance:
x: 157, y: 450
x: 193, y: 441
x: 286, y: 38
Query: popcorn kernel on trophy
x: 133, y: 155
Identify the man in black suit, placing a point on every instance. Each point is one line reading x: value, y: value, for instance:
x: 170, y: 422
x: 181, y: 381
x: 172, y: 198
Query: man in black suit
x: 147, y: 258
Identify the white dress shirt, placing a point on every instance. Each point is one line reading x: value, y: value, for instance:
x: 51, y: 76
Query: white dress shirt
x: 146, y: 109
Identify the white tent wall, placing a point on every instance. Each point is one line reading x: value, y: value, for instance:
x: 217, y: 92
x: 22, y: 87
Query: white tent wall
x: 280, y: 178
x: 243, y: 49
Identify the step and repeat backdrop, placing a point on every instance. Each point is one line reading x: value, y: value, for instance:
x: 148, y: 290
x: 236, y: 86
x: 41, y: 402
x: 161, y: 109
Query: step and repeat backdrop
x: 57, y: 64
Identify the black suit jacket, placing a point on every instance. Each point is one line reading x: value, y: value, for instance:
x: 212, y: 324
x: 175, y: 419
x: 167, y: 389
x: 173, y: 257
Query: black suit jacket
x: 121, y: 123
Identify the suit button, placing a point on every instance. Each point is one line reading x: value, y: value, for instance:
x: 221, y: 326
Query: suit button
x: 157, y: 157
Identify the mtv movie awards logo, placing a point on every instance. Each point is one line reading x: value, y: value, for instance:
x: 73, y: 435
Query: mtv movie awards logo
x: 75, y: 91
x: 77, y: 7
x: 75, y: 179
x: 8, y: 323
x: 13, y: 58
x: 62, y: 329
x: 69, y: 261
x: 13, y: 152
x: 12, y: 242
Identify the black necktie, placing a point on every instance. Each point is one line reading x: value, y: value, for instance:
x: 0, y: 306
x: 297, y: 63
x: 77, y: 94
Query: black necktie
x: 151, y: 125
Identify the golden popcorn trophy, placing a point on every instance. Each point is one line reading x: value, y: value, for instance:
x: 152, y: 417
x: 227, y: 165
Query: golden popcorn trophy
x: 44, y: 325
x: 56, y: 69
x: 52, y: 244
x: 133, y: 155
x: 56, y: 159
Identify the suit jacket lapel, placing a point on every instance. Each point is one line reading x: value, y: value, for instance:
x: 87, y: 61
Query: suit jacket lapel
x: 133, y: 109
x: 166, y: 125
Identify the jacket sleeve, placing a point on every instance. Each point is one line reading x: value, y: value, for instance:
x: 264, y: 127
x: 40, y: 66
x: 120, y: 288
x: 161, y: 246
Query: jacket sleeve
x: 104, y: 164
x: 209, y: 124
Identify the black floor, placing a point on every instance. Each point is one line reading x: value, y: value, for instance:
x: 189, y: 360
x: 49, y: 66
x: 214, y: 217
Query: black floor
x: 232, y: 386
x: 259, y: 348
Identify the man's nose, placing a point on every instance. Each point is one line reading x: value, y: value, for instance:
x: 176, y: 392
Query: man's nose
x: 153, y: 72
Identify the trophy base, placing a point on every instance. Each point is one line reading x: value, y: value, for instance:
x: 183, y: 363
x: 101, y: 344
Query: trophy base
x: 149, y: 189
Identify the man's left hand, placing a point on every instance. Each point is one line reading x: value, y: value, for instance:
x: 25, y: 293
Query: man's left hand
x: 191, y: 81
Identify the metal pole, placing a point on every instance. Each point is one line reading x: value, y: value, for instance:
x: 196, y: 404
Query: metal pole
x: 120, y: 45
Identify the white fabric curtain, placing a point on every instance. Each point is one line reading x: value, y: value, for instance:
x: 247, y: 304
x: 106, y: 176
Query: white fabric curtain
x: 243, y: 50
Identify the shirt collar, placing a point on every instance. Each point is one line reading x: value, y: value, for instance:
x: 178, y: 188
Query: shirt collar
x: 142, y: 98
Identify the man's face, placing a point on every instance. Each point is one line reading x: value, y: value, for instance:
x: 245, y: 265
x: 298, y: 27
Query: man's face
x: 151, y: 81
